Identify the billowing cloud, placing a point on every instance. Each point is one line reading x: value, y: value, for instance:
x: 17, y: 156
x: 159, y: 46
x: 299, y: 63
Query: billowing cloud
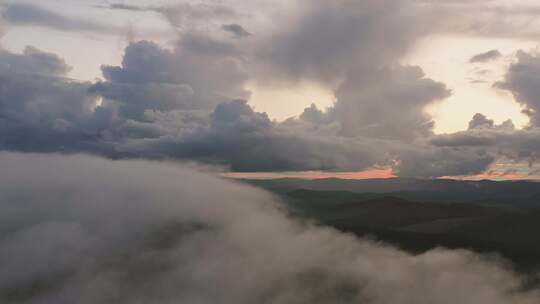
x: 41, y: 110
x: 328, y: 38
x: 175, y: 104
x: 189, y: 101
x: 98, y: 231
x: 387, y: 103
x: 480, y: 121
x: 501, y: 140
x: 198, y: 74
x: 245, y: 140
x: 523, y: 82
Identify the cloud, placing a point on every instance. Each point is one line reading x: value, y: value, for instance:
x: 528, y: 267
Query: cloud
x: 387, y: 103
x: 499, y: 141
x: 480, y: 121
x: 485, y: 57
x: 429, y: 162
x: 328, y: 38
x: 236, y: 30
x: 190, y: 101
x: 28, y: 14
x: 522, y: 81
x: 33, y: 61
x: 198, y: 74
x: 42, y: 110
x: 127, y: 7
x: 247, y: 141
x: 173, y: 104
x: 87, y: 230
x: 486, y: 18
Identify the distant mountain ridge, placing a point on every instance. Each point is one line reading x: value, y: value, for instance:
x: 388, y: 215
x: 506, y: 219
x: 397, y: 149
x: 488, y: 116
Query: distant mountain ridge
x: 519, y: 194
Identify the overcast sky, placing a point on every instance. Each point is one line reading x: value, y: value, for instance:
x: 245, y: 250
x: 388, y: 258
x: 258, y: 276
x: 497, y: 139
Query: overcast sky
x: 420, y: 88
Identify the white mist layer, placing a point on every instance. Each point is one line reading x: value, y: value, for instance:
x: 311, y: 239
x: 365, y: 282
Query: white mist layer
x: 80, y: 229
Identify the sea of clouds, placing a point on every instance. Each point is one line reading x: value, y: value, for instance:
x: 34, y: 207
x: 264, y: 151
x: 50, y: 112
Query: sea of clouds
x: 81, y: 229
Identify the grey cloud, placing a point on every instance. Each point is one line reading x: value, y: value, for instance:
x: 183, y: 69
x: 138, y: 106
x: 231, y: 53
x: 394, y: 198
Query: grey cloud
x: 33, y: 61
x: 497, y: 140
x: 480, y: 121
x: 28, y: 14
x: 330, y: 37
x: 41, y: 109
x: 151, y: 110
x: 189, y: 15
x: 486, y: 18
x: 243, y: 140
x: 387, y: 103
x: 176, y: 103
x: 236, y: 30
x: 427, y: 162
x: 198, y: 74
x: 523, y: 82
x: 98, y: 231
x: 248, y: 141
x: 128, y: 7
x: 485, y: 57
x: 354, y: 49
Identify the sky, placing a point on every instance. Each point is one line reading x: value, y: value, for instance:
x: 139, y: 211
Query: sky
x: 353, y: 89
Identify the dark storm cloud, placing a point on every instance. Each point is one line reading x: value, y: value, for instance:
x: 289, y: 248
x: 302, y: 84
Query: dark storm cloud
x: 98, y: 231
x: 236, y: 30
x: 28, y: 14
x: 485, y: 57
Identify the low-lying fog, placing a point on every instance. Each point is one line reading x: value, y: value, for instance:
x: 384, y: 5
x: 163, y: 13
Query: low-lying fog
x: 80, y: 229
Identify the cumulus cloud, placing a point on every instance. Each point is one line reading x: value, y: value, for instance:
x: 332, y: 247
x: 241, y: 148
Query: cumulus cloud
x: 387, y: 103
x: 173, y: 104
x: 190, y: 102
x: 522, y: 81
x: 480, y: 121
x: 328, y: 38
x: 485, y: 57
x: 98, y: 231
x: 42, y: 109
x: 498, y: 141
x: 197, y: 74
